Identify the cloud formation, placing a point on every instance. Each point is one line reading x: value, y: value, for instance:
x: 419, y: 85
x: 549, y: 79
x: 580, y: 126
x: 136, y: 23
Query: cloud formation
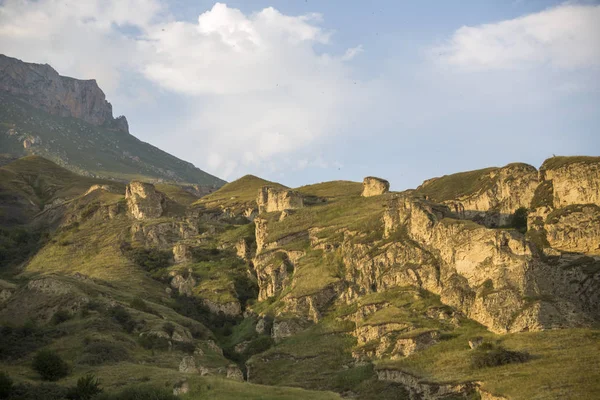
x: 256, y: 86
x: 566, y: 37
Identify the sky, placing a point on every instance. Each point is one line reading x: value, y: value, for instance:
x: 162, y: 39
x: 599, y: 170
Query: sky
x: 306, y: 91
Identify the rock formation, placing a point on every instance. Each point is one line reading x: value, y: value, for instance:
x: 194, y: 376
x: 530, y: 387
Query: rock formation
x: 272, y: 199
x: 42, y: 87
x: 488, y: 196
x: 143, y: 201
x: 373, y: 186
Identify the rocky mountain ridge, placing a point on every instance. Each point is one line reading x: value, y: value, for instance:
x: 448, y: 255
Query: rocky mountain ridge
x: 385, y: 294
x: 42, y: 87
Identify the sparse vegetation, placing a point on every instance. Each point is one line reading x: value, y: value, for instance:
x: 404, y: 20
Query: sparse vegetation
x: 489, y: 355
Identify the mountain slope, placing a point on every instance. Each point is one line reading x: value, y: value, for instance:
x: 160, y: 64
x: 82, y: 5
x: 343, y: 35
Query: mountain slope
x: 69, y: 122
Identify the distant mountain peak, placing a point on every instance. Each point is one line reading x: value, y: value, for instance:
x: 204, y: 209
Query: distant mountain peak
x: 41, y: 86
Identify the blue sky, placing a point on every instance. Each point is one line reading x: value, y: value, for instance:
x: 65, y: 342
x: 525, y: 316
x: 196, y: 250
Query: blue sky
x: 308, y: 91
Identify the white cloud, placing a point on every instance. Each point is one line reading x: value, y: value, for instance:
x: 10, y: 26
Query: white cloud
x: 567, y: 36
x: 352, y: 52
x: 255, y: 87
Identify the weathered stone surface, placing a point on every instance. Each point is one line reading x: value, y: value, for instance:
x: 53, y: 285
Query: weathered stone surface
x: 493, y: 203
x: 576, y: 182
x: 180, y: 388
x: 184, y: 283
x: 188, y: 365
x: 272, y: 199
x: 283, y: 328
x: 373, y: 186
x: 263, y: 326
x: 163, y: 234
x: 143, y: 201
x: 42, y: 87
x: 574, y: 228
x: 233, y: 372
x: 273, y: 272
x: 231, y: 309
x: 182, y: 253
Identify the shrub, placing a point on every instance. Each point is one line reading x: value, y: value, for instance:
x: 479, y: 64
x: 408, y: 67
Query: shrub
x: 61, y: 316
x: 488, y: 355
x: 149, y: 259
x: 50, y: 365
x: 122, y: 316
x: 6, y: 385
x: 186, y: 347
x: 87, y: 387
x: 144, y: 392
x: 20, y: 341
x: 169, y: 328
x: 44, y: 391
x: 519, y: 219
x: 98, y: 353
x: 152, y: 342
x: 139, y: 304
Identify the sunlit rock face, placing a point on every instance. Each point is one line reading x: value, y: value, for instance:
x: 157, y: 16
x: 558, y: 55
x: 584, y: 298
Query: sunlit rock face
x: 271, y: 199
x: 42, y: 87
x: 143, y: 201
x: 373, y: 186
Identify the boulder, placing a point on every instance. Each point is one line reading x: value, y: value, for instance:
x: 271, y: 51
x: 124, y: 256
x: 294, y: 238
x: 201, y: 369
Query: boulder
x: 143, y: 201
x: 373, y: 186
x: 272, y: 199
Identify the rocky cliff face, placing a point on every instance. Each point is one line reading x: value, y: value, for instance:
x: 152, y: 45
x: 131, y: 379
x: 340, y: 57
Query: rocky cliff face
x: 272, y: 199
x: 488, y: 196
x: 42, y: 87
x: 565, y: 211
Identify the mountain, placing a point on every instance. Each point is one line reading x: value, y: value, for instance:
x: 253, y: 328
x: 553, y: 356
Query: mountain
x: 477, y: 285
x: 70, y: 122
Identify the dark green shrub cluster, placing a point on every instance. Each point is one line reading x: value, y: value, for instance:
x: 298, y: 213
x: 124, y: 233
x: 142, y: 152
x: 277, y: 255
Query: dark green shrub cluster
x: 490, y: 355
x: 144, y: 392
x: 50, y: 365
x: 119, y: 314
x: 17, y: 244
x: 16, y: 342
x: 153, y: 342
x: 6, y: 385
x: 87, y: 388
x: 149, y: 259
x: 61, y: 316
x: 101, y: 352
x: 43, y: 391
x: 519, y: 219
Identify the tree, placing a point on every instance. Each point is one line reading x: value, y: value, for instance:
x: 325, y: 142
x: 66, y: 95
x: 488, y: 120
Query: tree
x: 519, y: 219
x: 50, y: 365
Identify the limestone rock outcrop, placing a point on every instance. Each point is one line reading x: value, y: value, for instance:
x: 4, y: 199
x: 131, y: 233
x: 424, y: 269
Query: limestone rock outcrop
x: 272, y: 199
x: 373, y: 186
x: 143, y: 201
x: 42, y: 87
x: 575, y: 180
x: 487, y: 196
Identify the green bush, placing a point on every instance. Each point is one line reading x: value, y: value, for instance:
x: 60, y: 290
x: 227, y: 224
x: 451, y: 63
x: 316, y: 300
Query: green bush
x: 61, y: 316
x: 149, y: 259
x: 152, y: 342
x: 87, y: 387
x: 101, y: 352
x: 50, y: 365
x: 44, y: 391
x: 17, y: 342
x: 169, y: 328
x: 6, y: 385
x: 122, y: 316
x: 144, y: 392
x: 519, y: 219
x: 489, y: 355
